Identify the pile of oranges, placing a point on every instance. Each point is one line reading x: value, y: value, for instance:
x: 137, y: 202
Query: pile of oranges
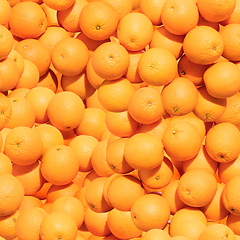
x: 119, y: 119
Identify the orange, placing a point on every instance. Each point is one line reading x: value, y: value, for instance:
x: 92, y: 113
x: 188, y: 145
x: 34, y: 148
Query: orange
x: 6, y: 41
x: 6, y: 110
x: 186, y: 213
x: 123, y: 191
x: 197, y: 187
x: 157, y: 66
x: 78, y: 84
x: 230, y: 195
x: 40, y: 97
x: 114, y: 95
x: 179, y: 97
x: 27, y: 24
x: 5, y: 12
x: 115, y: 119
x: 150, y: 211
x: 3, y: 134
x: 57, y: 225
x: 49, y: 80
x: 156, y: 234
x: 56, y: 191
x: 23, y: 145
x: 170, y: 194
x: 115, y: 156
x: 96, y: 223
x: 218, y: 232
x: 215, y: 210
x: 30, y: 177
x: 56, y: 5
x: 231, y: 111
x: 143, y: 151
x: 83, y: 146
x: 233, y: 223
x: 158, y: 177
x: 69, y: 18
x: 52, y: 36
x: 157, y: 128
x: 29, y: 202
x: 132, y: 72
x: 145, y: 105
x: 30, y: 76
x: 49, y: 135
x: 229, y: 34
x: 222, y: 142
x: 215, y: 12
x: 36, y: 52
x: 64, y: 58
x: 179, y: 17
x: 8, y: 226
x: 12, y: 193
x: 65, y: 110
x: 165, y: 39
x: 98, y: 160
x: 28, y: 223
x: 121, y: 224
x: 181, y: 135
x: 191, y: 70
x: 152, y: 9
x: 135, y: 31
x: 228, y: 170
x: 5, y: 164
x: 110, y: 60
x: 228, y: 75
x: 70, y: 205
x: 203, y: 45
x: 103, y: 22
x: 94, y: 196
x: 201, y: 160
x: 92, y: 123
x: 9, y: 74
x: 209, y: 108
x: 64, y: 160
x: 234, y: 17
x: 122, y: 7
x: 18, y: 59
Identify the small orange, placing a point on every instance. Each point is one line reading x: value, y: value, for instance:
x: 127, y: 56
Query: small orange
x: 134, y: 31
x: 12, y: 193
x: 110, y: 60
x: 6, y: 41
x: 145, y: 105
x: 150, y: 211
x: 157, y: 66
x: 63, y: 160
x: 103, y: 22
x: 64, y: 58
x: 23, y: 145
x: 197, y: 187
x: 222, y: 142
x: 179, y: 16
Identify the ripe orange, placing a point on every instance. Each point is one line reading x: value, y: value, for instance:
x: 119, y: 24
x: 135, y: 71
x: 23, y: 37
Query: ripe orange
x: 64, y: 58
x: 203, y: 45
x: 143, y: 151
x: 110, y: 60
x: 103, y: 22
x: 6, y: 41
x: 5, y: 12
x: 12, y: 193
x: 145, y: 105
x: 157, y: 66
x: 150, y: 211
x: 63, y: 160
x: 134, y: 31
x: 23, y: 145
x: 222, y: 142
x: 197, y: 187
